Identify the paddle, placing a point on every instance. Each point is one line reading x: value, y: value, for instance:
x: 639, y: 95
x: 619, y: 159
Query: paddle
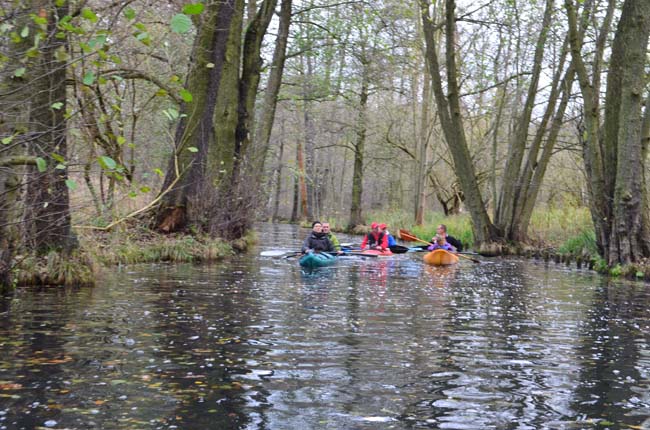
x: 289, y: 254
x: 278, y: 253
x: 405, y: 235
x: 416, y: 239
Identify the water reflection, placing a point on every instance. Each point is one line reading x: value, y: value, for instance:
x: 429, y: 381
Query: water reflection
x: 255, y: 343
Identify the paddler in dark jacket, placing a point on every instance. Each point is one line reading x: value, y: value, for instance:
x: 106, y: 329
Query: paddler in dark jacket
x: 317, y: 241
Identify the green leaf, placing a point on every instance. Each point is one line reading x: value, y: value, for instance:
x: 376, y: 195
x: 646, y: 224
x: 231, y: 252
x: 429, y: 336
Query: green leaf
x: 133, y: 194
x: 107, y: 163
x: 72, y: 185
x: 171, y: 114
x: 20, y: 72
x: 121, y: 140
x: 158, y: 172
x: 41, y: 164
x: 186, y: 96
x: 98, y: 41
x: 88, y: 14
x: 60, y: 3
x: 193, y: 149
x: 60, y: 166
x: 193, y: 8
x: 181, y: 23
x: 24, y: 32
x: 7, y: 140
x: 39, y: 20
x: 129, y: 13
x: 58, y: 158
x: 145, y: 189
x: 57, y: 105
x: 142, y: 36
x: 89, y: 78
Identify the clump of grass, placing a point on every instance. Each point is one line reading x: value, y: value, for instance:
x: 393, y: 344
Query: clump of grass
x: 55, y: 268
x: 155, y: 248
x: 584, y: 243
x: 133, y: 245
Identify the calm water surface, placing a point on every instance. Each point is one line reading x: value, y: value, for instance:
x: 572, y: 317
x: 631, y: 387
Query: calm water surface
x: 255, y: 343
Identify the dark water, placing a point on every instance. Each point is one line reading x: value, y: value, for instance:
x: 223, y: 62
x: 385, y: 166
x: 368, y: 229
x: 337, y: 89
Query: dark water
x: 254, y: 343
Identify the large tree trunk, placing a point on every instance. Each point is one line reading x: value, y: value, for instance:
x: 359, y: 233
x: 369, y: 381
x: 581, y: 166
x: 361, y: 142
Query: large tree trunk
x: 615, y: 154
x: 47, y: 202
x: 14, y: 120
x: 186, y: 173
x: 451, y: 120
x: 627, y: 244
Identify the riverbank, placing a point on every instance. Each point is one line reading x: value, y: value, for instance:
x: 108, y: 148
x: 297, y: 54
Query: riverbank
x: 99, y: 250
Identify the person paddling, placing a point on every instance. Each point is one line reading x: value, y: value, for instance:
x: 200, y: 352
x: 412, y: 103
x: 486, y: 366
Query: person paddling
x: 317, y: 241
x: 441, y: 230
x: 391, y: 240
x: 375, y: 239
x: 440, y: 242
x: 335, y: 242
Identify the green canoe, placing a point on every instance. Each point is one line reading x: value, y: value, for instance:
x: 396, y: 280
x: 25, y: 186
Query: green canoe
x: 319, y: 259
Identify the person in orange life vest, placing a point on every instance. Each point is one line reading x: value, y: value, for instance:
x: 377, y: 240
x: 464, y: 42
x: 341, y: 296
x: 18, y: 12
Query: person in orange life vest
x: 375, y: 239
x: 441, y: 243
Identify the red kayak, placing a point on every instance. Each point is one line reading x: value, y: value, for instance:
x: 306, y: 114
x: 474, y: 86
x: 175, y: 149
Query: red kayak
x: 386, y: 253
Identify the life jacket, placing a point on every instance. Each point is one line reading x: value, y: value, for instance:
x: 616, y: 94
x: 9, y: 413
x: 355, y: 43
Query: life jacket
x: 372, y: 241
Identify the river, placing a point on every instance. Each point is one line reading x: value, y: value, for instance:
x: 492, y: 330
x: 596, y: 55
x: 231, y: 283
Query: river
x: 256, y: 343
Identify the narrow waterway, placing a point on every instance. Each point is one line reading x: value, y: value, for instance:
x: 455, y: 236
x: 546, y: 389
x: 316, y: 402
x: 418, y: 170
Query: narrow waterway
x: 256, y: 343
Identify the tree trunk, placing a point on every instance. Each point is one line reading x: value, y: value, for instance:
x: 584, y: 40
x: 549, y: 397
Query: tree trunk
x: 356, y: 216
x: 509, y: 196
x: 263, y: 131
x: 47, y: 202
x: 451, y: 120
x: 186, y: 172
x: 614, y: 156
x: 300, y: 196
x: 627, y: 244
x: 308, y: 133
x: 278, y: 177
x: 424, y: 136
x: 249, y: 81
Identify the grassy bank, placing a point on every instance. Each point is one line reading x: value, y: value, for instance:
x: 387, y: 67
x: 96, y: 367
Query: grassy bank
x: 148, y: 247
x: 124, y: 246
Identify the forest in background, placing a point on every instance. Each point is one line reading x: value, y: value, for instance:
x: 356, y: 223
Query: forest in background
x: 202, y: 117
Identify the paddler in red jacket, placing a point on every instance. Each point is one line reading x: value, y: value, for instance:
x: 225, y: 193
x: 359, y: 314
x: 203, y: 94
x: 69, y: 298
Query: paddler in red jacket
x: 375, y: 239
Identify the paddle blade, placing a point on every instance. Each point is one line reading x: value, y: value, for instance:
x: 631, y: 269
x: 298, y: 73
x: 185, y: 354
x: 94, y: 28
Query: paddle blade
x: 405, y: 235
x: 275, y: 253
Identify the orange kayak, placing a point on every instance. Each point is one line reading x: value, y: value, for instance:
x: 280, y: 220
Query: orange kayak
x: 386, y: 253
x: 440, y: 257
